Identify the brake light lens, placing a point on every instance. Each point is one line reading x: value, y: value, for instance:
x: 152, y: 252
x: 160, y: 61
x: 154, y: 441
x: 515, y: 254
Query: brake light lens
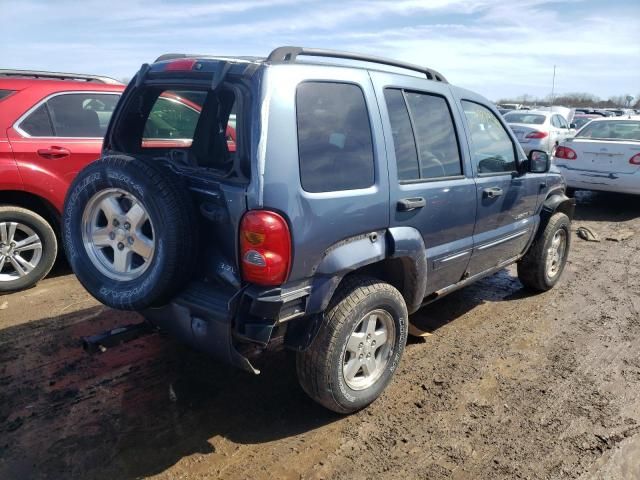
x: 635, y: 160
x: 265, y: 248
x: 537, y: 135
x: 566, y: 153
x: 184, y: 64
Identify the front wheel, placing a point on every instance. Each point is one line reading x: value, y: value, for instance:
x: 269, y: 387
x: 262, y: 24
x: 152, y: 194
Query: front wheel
x: 541, y: 267
x: 357, y: 348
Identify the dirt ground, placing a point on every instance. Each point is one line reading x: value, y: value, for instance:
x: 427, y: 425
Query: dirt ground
x: 509, y: 385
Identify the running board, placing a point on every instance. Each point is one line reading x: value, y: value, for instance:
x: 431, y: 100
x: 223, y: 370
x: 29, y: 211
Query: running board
x: 111, y: 338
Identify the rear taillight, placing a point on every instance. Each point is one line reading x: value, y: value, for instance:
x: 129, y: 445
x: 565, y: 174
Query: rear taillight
x: 635, y: 160
x: 183, y: 64
x: 537, y: 135
x: 265, y: 248
x: 566, y: 153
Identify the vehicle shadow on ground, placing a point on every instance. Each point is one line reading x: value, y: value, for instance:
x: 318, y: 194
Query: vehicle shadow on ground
x: 607, y: 207
x: 500, y: 287
x: 134, y: 410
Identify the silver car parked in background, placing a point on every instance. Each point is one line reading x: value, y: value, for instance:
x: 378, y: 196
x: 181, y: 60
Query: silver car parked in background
x: 539, y: 130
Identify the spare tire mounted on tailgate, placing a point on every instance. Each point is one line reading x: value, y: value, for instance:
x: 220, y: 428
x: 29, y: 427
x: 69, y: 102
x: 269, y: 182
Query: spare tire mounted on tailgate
x: 130, y: 232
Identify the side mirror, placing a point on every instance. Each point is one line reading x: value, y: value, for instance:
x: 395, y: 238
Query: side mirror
x: 539, y: 161
x: 572, y: 125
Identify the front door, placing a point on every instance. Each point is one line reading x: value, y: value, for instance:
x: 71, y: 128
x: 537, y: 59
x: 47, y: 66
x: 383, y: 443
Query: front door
x: 507, y: 201
x: 431, y: 188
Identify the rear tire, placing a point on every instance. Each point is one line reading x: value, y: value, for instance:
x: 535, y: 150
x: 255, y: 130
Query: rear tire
x: 344, y: 369
x: 34, y: 248
x: 541, y: 267
x: 130, y: 258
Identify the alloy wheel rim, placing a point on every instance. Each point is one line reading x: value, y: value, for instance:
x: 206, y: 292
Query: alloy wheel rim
x: 368, y: 349
x: 118, y: 234
x: 556, y: 252
x: 20, y: 251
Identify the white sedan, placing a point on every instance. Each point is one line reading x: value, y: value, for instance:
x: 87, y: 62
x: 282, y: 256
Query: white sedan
x: 604, y: 155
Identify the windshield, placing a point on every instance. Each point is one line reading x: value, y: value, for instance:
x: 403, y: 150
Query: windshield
x: 528, y: 118
x: 611, y: 130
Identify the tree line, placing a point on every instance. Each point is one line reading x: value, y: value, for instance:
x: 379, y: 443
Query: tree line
x: 575, y: 100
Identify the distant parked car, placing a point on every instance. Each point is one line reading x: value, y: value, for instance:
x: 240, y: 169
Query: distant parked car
x: 604, y: 155
x: 51, y: 126
x: 580, y: 120
x: 539, y: 130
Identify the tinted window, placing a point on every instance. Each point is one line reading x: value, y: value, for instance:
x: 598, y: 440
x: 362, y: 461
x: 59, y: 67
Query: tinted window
x: 81, y: 114
x: 174, y: 116
x: 334, y: 137
x: 491, y: 147
x: 37, y: 124
x: 403, y: 141
x: 435, y: 136
x: 5, y: 93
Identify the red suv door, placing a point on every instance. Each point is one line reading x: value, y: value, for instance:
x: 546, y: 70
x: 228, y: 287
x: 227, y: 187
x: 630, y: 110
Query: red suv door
x: 56, y: 138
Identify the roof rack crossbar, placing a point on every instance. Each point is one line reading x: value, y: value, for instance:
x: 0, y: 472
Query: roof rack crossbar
x: 57, y: 76
x: 289, y: 54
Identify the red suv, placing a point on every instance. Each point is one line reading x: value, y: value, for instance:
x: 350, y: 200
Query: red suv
x: 51, y: 126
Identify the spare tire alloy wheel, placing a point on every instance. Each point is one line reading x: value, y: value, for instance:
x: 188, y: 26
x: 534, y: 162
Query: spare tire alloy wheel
x: 130, y: 232
x: 118, y: 234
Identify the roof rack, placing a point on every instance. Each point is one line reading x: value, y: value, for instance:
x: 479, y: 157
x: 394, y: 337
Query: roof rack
x: 57, y: 76
x: 289, y: 54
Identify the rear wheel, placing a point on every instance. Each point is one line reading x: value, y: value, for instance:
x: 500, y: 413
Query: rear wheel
x: 358, y: 347
x: 28, y: 248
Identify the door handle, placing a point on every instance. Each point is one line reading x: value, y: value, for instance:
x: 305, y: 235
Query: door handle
x: 408, y: 204
x: 53, y: 152
x: 492, y: 192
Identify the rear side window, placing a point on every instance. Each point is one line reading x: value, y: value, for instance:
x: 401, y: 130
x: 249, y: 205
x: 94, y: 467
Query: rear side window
x: 5, y: 93
x: 37, y: 124
x: 81, y: 114
x: 424, y: 135
x: 491, y: 147
x: 335, y: 146
x: 84, y: 115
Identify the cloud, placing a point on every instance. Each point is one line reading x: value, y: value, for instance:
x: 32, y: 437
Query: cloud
x: 495, y: 47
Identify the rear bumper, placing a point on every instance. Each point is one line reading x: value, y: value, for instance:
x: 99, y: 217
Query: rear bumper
x: 601, y: 181
x: 228, y: 323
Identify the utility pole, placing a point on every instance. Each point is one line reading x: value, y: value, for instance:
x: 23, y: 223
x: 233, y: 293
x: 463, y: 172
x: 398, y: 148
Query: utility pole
x: 553, y: 84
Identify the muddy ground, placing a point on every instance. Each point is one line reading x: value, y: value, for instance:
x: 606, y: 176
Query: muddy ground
x: 509, y: 385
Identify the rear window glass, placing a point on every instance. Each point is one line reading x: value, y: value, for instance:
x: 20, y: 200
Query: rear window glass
x: 611, y: 130
x: 334, y: 137
x: 526, y: 118
x: 5, y: 93
x: 173, y: 117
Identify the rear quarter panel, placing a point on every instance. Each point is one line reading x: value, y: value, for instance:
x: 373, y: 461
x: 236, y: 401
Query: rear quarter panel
x: 318, y: 221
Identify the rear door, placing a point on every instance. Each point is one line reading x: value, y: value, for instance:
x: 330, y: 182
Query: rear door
x: 431, y: 185
x: 57, y: 137
x: 507, y: 201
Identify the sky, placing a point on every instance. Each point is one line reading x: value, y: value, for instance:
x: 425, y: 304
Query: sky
x: 498, y: 48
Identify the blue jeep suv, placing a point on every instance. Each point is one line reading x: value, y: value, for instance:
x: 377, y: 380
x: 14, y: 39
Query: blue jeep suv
x: 358, y: 189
